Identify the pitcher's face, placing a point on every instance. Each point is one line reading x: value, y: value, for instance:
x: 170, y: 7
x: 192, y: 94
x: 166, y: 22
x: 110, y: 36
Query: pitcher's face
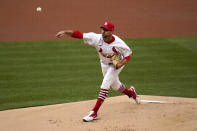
x: 106, y: 33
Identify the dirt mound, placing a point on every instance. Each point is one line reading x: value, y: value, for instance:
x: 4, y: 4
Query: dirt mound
x: 116, y: 114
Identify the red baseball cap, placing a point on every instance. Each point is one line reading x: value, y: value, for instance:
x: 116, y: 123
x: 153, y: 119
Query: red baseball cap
x: 108, y: 25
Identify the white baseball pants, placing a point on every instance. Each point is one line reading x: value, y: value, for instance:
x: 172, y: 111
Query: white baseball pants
x: 111, y: 78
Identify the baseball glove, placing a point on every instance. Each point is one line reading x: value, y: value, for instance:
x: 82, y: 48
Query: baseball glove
x: 116, y: 58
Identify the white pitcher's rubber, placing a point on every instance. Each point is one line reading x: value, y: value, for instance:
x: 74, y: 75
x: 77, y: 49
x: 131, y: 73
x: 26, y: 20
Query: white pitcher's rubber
x: 153, y: 101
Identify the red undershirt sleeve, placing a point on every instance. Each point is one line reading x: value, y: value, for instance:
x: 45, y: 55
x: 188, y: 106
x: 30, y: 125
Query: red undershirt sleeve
x: 77, y: 34
x: 127, y: 58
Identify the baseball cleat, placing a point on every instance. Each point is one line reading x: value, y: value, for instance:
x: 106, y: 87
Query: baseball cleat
x: 90, y: 117
x: 134, y: 95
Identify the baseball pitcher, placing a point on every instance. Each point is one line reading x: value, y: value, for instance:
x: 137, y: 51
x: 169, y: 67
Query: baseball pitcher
x: 114, y: 54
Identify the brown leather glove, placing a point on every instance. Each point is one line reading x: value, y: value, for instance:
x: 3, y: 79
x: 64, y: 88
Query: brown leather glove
x: 115, y: 60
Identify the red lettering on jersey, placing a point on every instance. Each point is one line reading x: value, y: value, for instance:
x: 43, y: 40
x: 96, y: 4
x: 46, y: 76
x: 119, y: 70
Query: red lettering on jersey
x: 105, y: 54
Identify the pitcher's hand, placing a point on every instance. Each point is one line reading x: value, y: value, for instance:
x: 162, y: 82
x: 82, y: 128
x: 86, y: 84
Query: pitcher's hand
x: 60, y: 34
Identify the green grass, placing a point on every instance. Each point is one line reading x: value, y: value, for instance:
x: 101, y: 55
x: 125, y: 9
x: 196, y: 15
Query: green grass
x: 50, y: 72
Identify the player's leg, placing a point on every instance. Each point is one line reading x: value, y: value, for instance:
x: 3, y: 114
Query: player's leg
x: 93, y: 113
x: 130, y: 92
x: 104, y: 87
x: 109, y: 77
x: 109, y: 74
x: 118, y: 86
x: 107, y: 81
x: 102, y: 95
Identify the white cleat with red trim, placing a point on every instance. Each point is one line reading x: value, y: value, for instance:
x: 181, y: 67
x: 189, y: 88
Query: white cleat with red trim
x: 90, y: 117
x: 134, y: 95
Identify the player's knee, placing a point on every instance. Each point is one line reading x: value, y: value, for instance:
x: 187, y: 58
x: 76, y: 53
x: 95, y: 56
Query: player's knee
x: 119, y: 87
x: 116, y: 86
x: 106, y: 84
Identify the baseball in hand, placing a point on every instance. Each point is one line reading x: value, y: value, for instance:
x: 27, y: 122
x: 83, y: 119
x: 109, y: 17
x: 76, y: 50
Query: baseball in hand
x: 38, y: 9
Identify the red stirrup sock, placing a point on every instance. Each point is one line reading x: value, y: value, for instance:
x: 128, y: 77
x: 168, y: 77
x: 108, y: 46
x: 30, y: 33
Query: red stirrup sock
x: 102, y: 95
x: 124, y: 90
x: 127, y: 92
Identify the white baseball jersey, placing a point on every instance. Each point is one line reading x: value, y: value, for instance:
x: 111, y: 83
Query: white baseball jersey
x: 97, y: 41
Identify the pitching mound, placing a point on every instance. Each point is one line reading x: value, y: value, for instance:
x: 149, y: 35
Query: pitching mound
x: 156, y: 113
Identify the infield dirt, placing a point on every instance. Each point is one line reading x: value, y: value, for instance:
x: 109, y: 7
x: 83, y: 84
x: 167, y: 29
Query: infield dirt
x: 117, y: 114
